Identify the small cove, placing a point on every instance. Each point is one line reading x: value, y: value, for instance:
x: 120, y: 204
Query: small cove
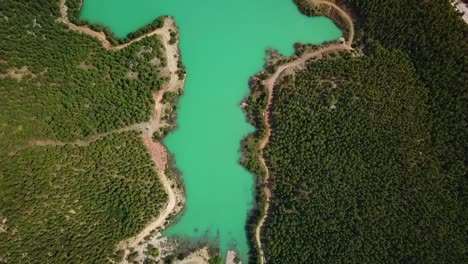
x: 223, y: 43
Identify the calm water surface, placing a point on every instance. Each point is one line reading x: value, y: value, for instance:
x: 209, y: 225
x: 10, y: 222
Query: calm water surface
x: 223, y: 43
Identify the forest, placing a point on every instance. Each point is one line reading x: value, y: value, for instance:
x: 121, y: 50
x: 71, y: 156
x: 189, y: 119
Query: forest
x: 65, y: 203
x: 73, y: 87
x: 367, y: 152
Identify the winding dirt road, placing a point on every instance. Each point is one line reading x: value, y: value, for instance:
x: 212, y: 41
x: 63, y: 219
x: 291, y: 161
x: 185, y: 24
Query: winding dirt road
x: 84, y: 143
x: 156, y: 149
x: 347, y: 18
x: 100, y: 35
x: 269, y: 84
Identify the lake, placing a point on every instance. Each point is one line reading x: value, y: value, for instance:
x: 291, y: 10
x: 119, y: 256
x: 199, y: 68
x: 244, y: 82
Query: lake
x: 223, y: 44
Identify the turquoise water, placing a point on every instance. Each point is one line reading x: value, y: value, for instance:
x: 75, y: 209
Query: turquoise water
x: 223, y: 43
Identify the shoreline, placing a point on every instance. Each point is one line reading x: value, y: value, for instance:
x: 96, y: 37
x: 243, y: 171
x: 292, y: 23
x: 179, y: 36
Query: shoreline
x: 261, y: 140
x: 158, y: 152
x: 72, y: 15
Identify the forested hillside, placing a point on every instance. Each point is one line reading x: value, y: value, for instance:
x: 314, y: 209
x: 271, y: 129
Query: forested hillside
x: 435, y: 38
x: 72, y: 204
x: 68, y: 203
x: 71, y: 87
x: 367, y: 153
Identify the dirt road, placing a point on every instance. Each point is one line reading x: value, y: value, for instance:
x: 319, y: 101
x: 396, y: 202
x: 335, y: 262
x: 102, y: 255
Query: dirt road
x: 269, y: 84
x: 343, y: 15
x: 100, y: 35
x: 156, y: 149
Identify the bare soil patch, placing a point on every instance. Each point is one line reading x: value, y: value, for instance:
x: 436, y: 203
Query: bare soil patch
x: 18, y: 74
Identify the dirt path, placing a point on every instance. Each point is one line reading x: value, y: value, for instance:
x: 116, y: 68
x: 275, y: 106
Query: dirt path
x: 100, y: 35
x: 269, y: 84
x: 343, y: 14
x: 156, y: 149
x: 84, y: 143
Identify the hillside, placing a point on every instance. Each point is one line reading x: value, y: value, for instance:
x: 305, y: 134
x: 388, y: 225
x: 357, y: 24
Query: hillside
x: 66, y: 194
x: 366, y: 155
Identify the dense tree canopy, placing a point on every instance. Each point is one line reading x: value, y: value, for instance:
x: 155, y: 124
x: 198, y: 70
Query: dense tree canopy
x: 367, y: 153
x: 66, y: 203
x: 72, y: 204
x: 354, y: 173
x: 73, y: 87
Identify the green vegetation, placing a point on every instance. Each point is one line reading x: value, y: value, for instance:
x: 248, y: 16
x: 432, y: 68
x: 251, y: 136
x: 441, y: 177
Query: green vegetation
x: 161, y: 133
x: 216, y: 260
x: 353, y: 170
x: 74, y: 7
x: 171, y: 99
x: 173, y: 39
x: 153, y: 251
x: 118, y: 255
x: 78, y: 88
x: 250, y: 159
x: 367, y: 153
x: 71, y: 203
